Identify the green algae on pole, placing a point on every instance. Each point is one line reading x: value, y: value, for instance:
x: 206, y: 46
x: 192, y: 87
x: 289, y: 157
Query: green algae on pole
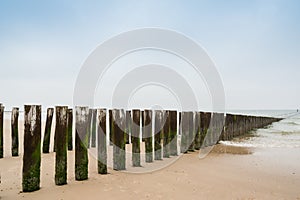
x: 166, y: 136
x: 94, y: 125
x: 61, y: 130
x: 46, y: 143
x: 205, y: 121
x: 135, y: 139
x: 81, y: 143
x: 179, y: 124
x: 191, y: 137
x: 32, y: 148
x: 128, y: 125
x: 173, y: 133
x: 102, y: 151
x: 228, y: 127
x: 218, y: 127
x: 147, y: 130
x: 142, y: 122
x: 111, y: 137
x: 119, y: 154
x: 89, y: 127
x: 158, y: 131
x: 197, y: 131
x: 15, y: 132
x: 185, y: 132
x: 1, y: 130
x: 70, y: 129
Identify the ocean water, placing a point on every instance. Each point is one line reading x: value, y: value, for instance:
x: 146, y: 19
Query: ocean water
x: 282, y: 134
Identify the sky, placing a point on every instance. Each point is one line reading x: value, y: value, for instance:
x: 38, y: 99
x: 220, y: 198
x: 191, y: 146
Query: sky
x: 254, y: 44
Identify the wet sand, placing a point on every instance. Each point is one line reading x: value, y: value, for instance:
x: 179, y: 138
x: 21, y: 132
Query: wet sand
x: 226, y: 173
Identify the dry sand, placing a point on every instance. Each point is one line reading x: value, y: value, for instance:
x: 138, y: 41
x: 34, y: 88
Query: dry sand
x: 226, y: 173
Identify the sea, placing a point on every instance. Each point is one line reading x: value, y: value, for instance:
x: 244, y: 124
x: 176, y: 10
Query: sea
x: 282, y: 134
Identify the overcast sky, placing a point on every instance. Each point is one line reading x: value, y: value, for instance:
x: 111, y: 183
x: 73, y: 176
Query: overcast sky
x: 255, y: 45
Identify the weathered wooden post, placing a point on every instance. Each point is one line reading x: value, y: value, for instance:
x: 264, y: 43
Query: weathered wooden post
x: 206, y: 124
x: 222, y: 136
x: 47, y: 133
x: 128, y: 125
x: 166, y: 135
x: 235, y: 125
x: 173, y: 133
x: 70, y: 129
x: 15, y: 132
x: 241, y: 125
x: 218, y: 120
x: 1, y: 130
x: 185, y: 132
x: 221, y: 125
x: 191, y: 137
x: 147, y: 129
x: 246, y: 127
x: 32, y: 148
x: 111, y: 137
x: 143, y: 124
x: 89, y: 127
x: 197, y: 131
x: 135, y: 139
x: 119, y: 154
x: 228, y: 127
x: 94, y: 125
x: 231, y: 127
x: 102, y: 151
x: 179, y: 122
x: 81, y: 143
x: 61, y: 131
x: 158, y: 134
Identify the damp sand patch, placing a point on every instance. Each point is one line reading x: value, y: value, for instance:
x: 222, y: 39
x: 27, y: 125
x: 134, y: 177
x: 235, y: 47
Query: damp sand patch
x: 228, y: 149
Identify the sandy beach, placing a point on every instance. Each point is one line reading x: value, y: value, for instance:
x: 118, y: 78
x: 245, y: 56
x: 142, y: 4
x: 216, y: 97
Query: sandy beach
x: 228, y: 172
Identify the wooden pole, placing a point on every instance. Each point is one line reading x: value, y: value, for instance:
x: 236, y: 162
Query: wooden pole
x: 61, y: 130
x: 143, y: 124
x: 166, y: 136
x: 81, y: 143
x: 15, y: 132
x: 227, y: 127
x: 221, y: 125
x: 32, y: 148
x: 147, y: 129
x: 185, y: 132
x: 94, y: 125
x: 46, y: 143
x: 128, y: 125
x: 206, y: 122
x: 102, y: 151
x: 119, y: 154
x: 135, y: 139
x: 111, y: 137
x: 89, y: 127
x: 197, y: 131
x: 1, y: 130
x: 158, y: 134
x: 70, y: 129
x: 173, y: 133
x: 235, y: 125
x: 180, y: 127
x: 191, y: 137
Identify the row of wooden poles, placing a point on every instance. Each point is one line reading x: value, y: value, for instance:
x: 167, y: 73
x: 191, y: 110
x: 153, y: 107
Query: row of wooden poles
x: 130, y: 126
